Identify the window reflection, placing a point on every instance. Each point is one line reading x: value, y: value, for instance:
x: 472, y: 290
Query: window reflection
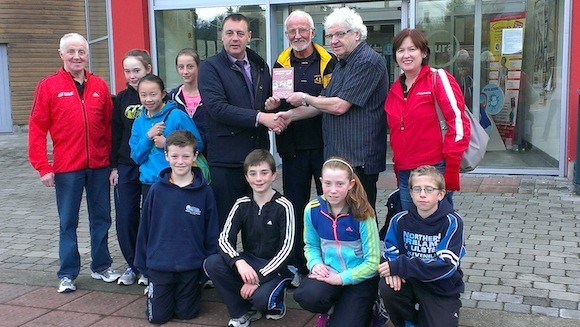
x: 200, y: 28
x: 518, y: 96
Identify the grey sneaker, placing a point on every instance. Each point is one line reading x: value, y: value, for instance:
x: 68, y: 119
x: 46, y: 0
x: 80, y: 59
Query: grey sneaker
x: 244, y: 321
x: 143, y: 281
x: 66, y: 285
x: 296, y: 280
x: 127, y: 278
x: 108, y: 275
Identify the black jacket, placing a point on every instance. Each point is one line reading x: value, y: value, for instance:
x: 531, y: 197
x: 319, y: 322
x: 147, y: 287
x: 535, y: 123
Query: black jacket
x: 230, y: 124
x: 127, y: 107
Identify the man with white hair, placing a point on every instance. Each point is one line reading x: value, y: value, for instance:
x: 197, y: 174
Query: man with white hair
x: 353, y: 118
x: 300, y: 145
x: 75, y: 108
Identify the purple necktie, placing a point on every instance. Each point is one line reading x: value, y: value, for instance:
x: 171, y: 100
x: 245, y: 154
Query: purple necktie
x: 249, y: 84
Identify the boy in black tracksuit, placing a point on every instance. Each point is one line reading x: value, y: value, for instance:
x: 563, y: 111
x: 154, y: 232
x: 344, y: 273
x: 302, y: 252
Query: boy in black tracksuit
x: 421, y: 263
x: 257, y: 276
x: 177, y: 232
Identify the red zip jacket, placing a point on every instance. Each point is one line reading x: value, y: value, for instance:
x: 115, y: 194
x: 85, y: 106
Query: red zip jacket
x: 415, y: 134
x: 80, y: 129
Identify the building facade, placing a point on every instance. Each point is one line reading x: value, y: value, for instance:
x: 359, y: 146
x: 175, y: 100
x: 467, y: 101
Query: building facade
x: 30, y: 32
x: 513, y: 58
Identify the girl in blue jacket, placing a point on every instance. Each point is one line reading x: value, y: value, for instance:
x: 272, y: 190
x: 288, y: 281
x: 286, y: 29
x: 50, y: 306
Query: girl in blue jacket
x: 157, y: 120
x: 342, y: 250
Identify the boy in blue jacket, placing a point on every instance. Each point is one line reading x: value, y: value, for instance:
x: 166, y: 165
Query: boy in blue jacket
x: 177, y: 232
x: 423, y: 250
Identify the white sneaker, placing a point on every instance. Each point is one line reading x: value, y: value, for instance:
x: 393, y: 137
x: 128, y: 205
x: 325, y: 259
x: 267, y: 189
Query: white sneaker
x: 208, y: 284
x: 143, y: 281
x: 127, y: 278
x: 244, y: 321
x: 66, y: 285
x: 108, y: 275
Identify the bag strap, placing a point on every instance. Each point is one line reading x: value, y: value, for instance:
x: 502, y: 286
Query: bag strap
x: 442, y: 122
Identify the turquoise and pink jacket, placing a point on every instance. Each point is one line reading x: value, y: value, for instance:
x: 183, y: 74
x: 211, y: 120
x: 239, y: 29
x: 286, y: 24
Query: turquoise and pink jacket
x: 349, y: 246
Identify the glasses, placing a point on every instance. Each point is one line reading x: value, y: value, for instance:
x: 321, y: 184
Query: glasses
x: 339, y: 35
x: 427, y: 189
x: 301, y: 31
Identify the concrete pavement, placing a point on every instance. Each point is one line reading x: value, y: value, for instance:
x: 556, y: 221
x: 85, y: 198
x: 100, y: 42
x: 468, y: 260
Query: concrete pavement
x: 522, y: 267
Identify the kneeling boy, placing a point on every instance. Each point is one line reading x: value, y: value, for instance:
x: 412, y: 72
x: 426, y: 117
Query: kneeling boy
x: 177, y: 232
x: 423, y: 249
x: 255, y: 278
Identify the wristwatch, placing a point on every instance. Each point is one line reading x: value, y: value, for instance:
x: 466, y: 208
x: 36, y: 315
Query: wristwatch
x: 304, y: 104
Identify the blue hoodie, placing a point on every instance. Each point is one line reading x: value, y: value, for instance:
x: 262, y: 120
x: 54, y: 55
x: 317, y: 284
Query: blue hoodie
x: 143, y: 151
x: 427, y: 249
x: 179, y: 226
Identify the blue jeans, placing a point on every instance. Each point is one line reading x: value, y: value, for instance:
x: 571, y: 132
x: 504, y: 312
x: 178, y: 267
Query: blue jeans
x: 405, y: 194
x: 69, y: 191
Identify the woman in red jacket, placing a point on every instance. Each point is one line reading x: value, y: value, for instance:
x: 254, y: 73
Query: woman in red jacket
x: 415, y: 133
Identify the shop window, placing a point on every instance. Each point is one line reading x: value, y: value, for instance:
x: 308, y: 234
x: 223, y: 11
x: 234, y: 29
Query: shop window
x: 200, y: 29
x: 518, y: 60
x: 98, y: 38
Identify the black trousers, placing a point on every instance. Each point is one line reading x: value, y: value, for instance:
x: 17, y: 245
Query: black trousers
x: 434, y: 310
x: 297, y: 183
x: 228, y: 284
x: 228, y: 184
x: 369, y: 183
x: 173, y: 294
x: 127, y: 197
x: 353, y: 304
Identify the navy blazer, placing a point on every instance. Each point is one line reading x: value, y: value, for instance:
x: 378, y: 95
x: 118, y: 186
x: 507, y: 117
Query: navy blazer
x: 231, y: 129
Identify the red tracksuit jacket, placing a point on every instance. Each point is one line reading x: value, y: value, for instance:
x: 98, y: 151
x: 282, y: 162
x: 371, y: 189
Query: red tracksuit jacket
x: 80, y: 129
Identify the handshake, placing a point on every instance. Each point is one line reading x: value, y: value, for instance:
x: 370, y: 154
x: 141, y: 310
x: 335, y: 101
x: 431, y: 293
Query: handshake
x: 278, y: 122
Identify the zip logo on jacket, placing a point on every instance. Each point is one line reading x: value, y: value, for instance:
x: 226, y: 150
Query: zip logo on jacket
x: 65, y: 94
x: 96, y: 95
x: 195, y: 211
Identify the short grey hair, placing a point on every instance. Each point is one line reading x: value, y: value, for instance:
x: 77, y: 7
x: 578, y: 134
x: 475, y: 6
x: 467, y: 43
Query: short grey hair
x: 348, y: 17
x: 72, y: 37
x: 301, y: 14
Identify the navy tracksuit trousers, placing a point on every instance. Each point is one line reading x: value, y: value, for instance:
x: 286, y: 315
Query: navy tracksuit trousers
x: 173, y: 294
x: 128, y: 210
x: 352, y: 304
x: 228, y: 283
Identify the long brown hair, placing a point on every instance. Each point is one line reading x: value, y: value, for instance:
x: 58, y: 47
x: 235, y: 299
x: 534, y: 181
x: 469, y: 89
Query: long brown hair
x: 356, y: 197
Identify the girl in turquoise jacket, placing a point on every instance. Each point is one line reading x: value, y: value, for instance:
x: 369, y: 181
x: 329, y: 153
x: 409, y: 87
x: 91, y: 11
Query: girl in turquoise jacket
x: 342, y: 250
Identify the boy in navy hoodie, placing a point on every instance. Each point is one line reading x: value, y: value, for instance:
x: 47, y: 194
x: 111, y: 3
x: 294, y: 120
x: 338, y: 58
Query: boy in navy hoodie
x: 423, y: 249
x: 253, y: 282
x: 177, y: 232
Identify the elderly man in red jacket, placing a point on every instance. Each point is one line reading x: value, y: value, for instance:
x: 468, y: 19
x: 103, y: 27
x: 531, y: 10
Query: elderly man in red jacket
x: 75, y: 108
